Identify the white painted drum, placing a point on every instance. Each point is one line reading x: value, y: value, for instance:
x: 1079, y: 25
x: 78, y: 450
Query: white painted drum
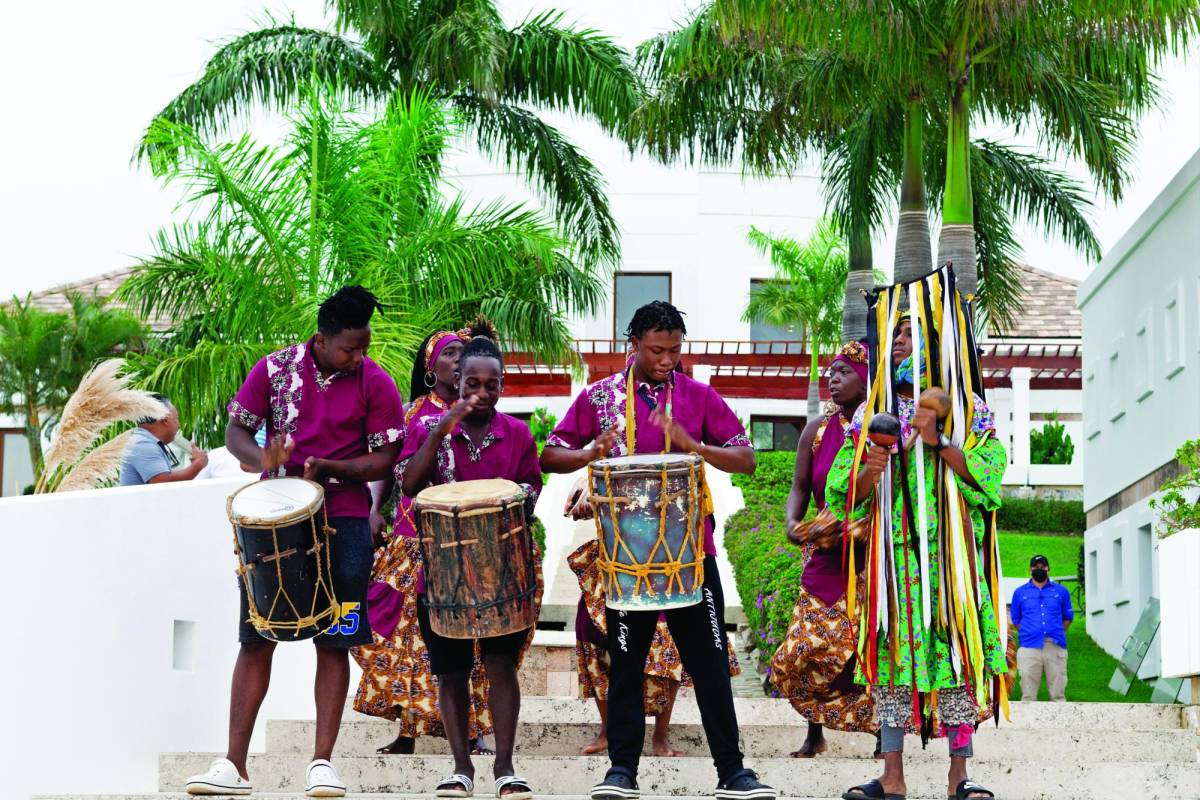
x: 274, y: 500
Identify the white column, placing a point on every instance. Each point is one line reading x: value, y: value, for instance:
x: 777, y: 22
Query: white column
x: 1020, y: 405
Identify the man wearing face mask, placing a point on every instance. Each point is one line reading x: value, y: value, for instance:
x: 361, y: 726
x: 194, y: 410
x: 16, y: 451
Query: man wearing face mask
x: 1041, y: 610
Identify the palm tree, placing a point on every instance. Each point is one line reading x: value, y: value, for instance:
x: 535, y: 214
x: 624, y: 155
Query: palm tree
x: 44, y: 354
x: 805, y: 294
x: 1075, y: 71
x: 458, y: 52
x: 345, y: 199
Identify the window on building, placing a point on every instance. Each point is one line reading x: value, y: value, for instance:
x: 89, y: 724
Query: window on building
x: 1174, y: 333
x: 1145, y: 555
x: 1093, y: 574
x: 1118, y: 564
x: 776, y: 433
x: 16, y: 470
x: 632, y: 290
x: 1144, y: 363
x: 781, y: 337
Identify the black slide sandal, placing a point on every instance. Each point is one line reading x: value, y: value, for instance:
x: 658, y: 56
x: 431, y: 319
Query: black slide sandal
x: 871, y: 790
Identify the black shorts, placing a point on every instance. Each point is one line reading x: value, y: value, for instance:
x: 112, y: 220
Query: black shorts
x: 352, y: 554
x: 458, y: 655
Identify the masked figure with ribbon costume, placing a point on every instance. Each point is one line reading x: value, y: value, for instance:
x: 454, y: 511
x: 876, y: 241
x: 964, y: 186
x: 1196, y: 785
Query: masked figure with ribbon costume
x: 922, y: 468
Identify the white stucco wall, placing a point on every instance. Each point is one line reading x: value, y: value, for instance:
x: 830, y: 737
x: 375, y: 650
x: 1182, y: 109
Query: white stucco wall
x: 1141, y: 344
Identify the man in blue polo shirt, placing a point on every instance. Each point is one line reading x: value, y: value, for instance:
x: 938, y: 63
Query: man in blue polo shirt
x: 1041, y: 611
x: 148, y: 459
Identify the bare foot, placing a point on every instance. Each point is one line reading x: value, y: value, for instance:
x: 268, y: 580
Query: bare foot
x: 597, y: 745
x: 663, y: 749
x: 402, y: 746
x: 810, y: 749
x: 479, y: 747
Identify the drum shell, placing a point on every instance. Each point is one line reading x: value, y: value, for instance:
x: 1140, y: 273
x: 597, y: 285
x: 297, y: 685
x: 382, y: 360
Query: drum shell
x: 480, y: 579
x: 639, y: 521
x: 305, y: 581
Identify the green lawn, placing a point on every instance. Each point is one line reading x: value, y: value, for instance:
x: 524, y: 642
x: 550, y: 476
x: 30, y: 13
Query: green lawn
x: 1089, y: 668
x: 1017, y: 547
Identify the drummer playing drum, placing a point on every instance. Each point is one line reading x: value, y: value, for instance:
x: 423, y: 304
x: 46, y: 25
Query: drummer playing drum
x: 334, y: 417
x: 474, y: 441
x: 668, y: 406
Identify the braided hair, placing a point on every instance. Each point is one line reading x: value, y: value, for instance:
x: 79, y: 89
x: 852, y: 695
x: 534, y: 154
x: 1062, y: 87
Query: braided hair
x: 349, y: 308
x: 416, y: 379
x: 656, y: 316
x: 483, y: 342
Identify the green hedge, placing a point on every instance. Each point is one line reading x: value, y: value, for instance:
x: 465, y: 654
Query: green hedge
x: 1041, y: 516
x: 772, y: 479
x: 766, y: 571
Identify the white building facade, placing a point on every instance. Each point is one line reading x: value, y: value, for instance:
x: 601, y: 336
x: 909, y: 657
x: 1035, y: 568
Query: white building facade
x: 1141, y: 335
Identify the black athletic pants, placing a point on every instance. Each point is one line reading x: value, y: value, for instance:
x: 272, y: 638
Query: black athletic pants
x: 699, y: 633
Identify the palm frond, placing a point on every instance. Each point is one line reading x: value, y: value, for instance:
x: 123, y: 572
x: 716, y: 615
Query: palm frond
x: 565, y: 178
x: 567, y: 68
x: 267, y: 68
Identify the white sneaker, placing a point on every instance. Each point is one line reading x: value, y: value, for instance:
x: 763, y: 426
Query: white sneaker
x: 222, y: 778
x: 322, y: 780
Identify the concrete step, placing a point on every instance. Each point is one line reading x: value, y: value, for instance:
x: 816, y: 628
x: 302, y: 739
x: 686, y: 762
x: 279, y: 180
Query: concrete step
x: 351, y: 796
x: 360, y: 737
x: 773, y: 711
x: 825, y: 777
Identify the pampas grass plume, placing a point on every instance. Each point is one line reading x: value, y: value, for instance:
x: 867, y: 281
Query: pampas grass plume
x: 98, y: 466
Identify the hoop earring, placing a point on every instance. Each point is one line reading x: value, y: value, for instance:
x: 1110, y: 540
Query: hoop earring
x: 430, y: 380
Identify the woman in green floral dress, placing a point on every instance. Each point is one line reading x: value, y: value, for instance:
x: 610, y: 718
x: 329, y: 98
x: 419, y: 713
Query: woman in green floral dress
x: 922, y: 659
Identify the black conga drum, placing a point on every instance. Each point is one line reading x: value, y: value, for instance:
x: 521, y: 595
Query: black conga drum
x: 282, y: 545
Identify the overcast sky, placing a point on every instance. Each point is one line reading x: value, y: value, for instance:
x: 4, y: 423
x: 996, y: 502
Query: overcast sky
x: 82, y: 79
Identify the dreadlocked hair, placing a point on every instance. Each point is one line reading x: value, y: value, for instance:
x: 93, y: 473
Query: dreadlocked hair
x: 480, y: 326
x: 656, y: 316
x: 349, y: 308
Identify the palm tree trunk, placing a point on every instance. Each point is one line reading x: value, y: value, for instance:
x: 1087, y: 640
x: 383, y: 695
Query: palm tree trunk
x: 913, y: 249
x: 957, y: 243
x: 33, y: 435
x: 860, y: 278
x: 814, y: 383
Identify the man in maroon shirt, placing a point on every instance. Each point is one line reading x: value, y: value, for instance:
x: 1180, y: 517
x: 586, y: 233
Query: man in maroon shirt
x: 670, y: 410
x: 333, y: 416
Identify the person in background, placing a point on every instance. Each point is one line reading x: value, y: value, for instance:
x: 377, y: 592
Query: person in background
x: 1041, y: 611
x: 148, y: 459
x: 224, y: 464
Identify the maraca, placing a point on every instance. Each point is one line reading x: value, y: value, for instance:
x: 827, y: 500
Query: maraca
x: 935, y: 400
x: 884, y: 430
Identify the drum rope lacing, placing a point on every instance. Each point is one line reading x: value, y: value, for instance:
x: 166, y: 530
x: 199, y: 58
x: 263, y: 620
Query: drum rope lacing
x: 324, y: 571
x: 461, y: 588
x: 671, y: 568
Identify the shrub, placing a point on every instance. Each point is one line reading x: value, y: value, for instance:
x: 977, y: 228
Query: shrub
x: 1051, y: 445
x: 771, y: 481
x: 537, y: 530
x: 766, y: 571
x: 1041, y: 516
x: 1175, y: 511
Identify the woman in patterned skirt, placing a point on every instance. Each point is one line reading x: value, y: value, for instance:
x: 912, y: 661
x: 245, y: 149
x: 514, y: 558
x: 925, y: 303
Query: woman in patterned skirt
x: 397, y: 683
x: 814, y: 667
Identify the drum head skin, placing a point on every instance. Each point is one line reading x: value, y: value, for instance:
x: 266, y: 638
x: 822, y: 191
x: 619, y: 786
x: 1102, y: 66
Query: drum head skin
x: 468, y: 493
x: 274, y: 499
x: 647, y: 460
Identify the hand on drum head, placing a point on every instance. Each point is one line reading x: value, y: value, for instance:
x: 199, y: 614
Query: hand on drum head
x: 314, y: 468
x: 277, y: 452
x: 604, y: 444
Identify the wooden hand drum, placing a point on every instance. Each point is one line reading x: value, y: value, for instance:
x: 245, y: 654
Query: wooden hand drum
x: 651, y: 529
x: 478, y: 553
